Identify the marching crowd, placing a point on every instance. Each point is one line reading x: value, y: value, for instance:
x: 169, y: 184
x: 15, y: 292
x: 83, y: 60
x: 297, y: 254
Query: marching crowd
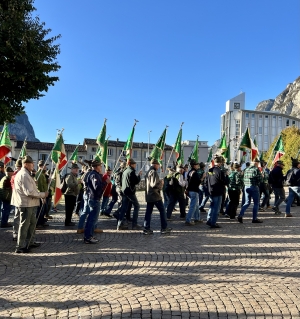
x: 28, y: 193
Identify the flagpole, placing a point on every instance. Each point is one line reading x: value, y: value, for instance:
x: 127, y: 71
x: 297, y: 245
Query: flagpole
x: 273, y: 150
x: 173, y: 148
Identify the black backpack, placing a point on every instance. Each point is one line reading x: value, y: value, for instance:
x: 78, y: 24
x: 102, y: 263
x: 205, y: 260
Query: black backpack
x: 290, y: 178
x: 63, y: 183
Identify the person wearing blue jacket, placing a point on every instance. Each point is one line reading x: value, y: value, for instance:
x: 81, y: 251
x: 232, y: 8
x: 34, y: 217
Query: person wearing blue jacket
x: 294, y: 188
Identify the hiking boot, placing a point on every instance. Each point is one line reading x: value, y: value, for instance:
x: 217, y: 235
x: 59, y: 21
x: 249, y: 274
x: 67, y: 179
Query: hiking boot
x: 80, y: 231
x: 35, y: 245
x: 202, y: 210
x: 8, y: 225
x: 137, y: 227
x: 240, y: 219
x: 261, y: 209
x: 22, y: 250
x: 122, y: 227
x: 208, y: 223
x: 215, y: 226
x: 198, y: 221
x: 257, y: 221
x: 98, y: 230
x: 92, y: 240
x: 69, y: 224
x: 166, y: 231
x: 275, y: 209
x: 147, y: 231
x: 288, y: 215
x: 189, y: 223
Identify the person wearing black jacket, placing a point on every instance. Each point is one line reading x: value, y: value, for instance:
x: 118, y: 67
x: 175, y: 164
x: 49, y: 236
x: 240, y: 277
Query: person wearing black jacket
x: 194, y: 181
x: 294, y: 189
x: 216, y: 182
x: 276, y: 179
x: 129, y: 182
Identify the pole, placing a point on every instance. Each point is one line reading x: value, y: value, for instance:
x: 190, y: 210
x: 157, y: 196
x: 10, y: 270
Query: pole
x: 149, y: 144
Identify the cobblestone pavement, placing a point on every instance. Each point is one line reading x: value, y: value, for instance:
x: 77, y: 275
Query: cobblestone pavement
x: 239, y: 271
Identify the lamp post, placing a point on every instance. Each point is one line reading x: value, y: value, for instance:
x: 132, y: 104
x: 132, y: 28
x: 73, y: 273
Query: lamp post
x: 149, y: 143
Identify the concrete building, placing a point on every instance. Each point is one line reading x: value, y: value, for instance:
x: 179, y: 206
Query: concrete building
x: 264, y: 125
x: 188, y: 147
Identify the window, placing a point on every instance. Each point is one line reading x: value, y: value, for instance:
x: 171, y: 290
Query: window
x: 266, y: 116
x: 247, y: 115
x: 123, y: 153
x: 260, y: 116
x: 93, y: 149
x: 260, y: 130
x: 237, y: 127
x: 294, y: 123
x: 109, y: 152
x: 134, y: 154
x: 43, y: 157
x: 287, y: 122
x: 91, y: 157
x: 145, y: 154
x: 253, y: 116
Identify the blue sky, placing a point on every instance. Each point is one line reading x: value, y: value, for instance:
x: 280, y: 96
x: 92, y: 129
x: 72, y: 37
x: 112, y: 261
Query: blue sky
x: 163, y: 63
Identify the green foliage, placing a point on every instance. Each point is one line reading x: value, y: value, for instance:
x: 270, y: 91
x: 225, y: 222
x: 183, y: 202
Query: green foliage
x: 27, y: 57
x: 291, y: 141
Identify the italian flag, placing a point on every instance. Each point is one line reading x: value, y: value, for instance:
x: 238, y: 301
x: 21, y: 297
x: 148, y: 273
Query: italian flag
x: 58, y: 155
x: 279, y: 149
x: 57, y: 192
x: 5, y: 145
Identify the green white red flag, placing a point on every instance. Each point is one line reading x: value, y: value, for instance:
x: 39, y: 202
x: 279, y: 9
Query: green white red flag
x: 279, y: 149
x: 57, y: 191
x: 5, y: 145
x: 58, y: 154
x: 23, y: 151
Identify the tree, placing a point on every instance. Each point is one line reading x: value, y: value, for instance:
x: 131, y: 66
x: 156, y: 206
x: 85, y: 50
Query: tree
x: 27, y: 57
x: 291, y: 141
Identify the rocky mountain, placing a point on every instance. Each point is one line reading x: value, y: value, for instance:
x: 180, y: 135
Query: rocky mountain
x: 287, y: 102
x: 22, y: 128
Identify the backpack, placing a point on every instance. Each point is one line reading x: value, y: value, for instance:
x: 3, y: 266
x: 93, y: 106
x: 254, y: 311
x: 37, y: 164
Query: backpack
x: 63, y: 183
x: 290, y: 178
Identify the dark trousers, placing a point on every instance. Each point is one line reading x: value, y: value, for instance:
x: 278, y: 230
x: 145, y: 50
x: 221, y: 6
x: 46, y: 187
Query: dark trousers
x: 223, y: 202
x: 149, y: 209
x: 234, y: 196
x: 264, y: 189
x: 70, y: 202
x: 40, y: 213
x: 172, y: 202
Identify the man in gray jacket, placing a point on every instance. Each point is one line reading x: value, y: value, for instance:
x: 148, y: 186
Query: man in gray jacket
x: 26, y: 197
x: 153, y: 198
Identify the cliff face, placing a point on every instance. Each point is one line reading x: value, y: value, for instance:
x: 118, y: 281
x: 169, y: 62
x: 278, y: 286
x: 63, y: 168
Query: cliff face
x: 22, y: 128
x: 287, y: 102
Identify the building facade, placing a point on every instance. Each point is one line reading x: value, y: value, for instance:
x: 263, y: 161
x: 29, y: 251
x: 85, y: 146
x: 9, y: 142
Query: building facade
x: 264, y: 126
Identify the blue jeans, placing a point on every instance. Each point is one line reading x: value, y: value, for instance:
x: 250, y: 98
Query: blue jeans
x: 205, y: 196
x: 166, y: 200
x: 94, y: 210
x: 104, y: 203
x: 214, y: 208
x: 251, y: 192
x: 136, y: 207
x: 279, y: 196
x: 293, y: 192
x: 163, y: 216
x: 6, y: 210
x: 83, y: 213
x: 194, y: 207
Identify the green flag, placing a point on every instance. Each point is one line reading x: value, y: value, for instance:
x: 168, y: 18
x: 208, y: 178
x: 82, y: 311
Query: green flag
x: 195, y: 151
x: 177, y: 147
x: 227, y: 155
x: 223, y: 145
x: 23, y: 151
x: 279, y: 147
x: 246, y: 141
x: 209, y: 156
x: 128, y: 145
x: 104, y: 154
x: 74, y: 156
x: 5, y: 145
x: 158, y: 150
x: 101, y: 137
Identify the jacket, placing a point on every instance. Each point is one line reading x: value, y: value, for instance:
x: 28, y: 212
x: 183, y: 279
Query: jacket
x: 129, y: 181
x: 95, y: 185
x: 177, y: 184
x: 276, y: 178
x: 25, y: 192
x: 73, y: 186
x: 194, y: 181
x: 153, y: 186
x: 5, y: 189
x: 107, y: 187
x: 41, y: 179
x: 216, y: 181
